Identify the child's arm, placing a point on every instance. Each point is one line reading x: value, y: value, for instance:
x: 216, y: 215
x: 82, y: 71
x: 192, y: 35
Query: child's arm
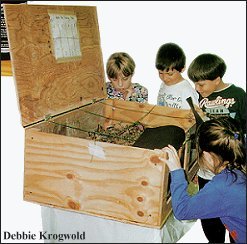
x: 204, y: 204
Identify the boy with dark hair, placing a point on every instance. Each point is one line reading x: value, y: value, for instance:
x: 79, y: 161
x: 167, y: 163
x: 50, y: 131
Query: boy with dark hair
x: 216, y: 99
x: 173, y: 92
x: 170, y: 62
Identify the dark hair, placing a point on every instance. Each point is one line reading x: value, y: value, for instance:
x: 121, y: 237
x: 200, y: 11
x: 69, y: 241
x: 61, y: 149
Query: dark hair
x: 224, y: 138
x: 206, y: 66
x: 170, y: 56
x: 120, y: 62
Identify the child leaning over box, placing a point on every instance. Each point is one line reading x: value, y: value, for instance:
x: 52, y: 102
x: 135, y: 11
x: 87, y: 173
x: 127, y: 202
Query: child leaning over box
x: 120, y: 69
x: 173, y: 92
x: 174, y: 89
x: 221, y: 150
x: 217, y: 98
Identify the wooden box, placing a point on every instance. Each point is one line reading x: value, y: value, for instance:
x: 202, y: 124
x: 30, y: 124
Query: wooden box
x: 59, y: 75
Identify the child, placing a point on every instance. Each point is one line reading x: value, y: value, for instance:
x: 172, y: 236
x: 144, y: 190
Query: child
x: 216, y: 99
x: 174, y: 89
x: 221, y: 150
x: 120, y: 68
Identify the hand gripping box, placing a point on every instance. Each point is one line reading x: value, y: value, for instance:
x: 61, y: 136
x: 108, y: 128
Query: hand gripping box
x: 59, y: 76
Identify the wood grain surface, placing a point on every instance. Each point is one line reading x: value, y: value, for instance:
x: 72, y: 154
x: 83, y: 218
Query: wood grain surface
x: 123, y: 183
x: 6, y: 69
x: 46, y: 86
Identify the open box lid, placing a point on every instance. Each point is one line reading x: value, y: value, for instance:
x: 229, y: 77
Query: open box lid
x: 56, y: 58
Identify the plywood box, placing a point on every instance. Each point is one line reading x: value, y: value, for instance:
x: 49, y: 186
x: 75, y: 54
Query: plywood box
x: 59, y: 75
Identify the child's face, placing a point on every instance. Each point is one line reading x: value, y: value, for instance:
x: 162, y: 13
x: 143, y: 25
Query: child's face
x: 206, y: 87
x: 206, y: 162
x: 170, y: 77
x: 121, y: 83
x: 211, y: 162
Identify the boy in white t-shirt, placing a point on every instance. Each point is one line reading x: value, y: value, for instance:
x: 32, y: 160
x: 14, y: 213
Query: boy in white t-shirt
x: 174, y: 89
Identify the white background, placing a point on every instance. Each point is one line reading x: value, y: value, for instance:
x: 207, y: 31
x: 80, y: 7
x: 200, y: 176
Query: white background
x: 138, y: 28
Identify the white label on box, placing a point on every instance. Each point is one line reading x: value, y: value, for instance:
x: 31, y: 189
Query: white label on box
x: 65, y: 36
x: 95, y: 150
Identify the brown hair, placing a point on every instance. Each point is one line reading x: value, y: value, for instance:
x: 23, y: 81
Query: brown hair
x: 120, y: 62
x: 223, y: 137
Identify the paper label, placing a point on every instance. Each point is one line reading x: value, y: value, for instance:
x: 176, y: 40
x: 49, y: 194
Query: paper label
x: 95, y: 150
x: 65, y: 36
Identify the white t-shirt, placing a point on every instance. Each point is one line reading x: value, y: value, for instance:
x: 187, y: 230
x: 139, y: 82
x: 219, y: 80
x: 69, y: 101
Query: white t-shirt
x: 174, y: 96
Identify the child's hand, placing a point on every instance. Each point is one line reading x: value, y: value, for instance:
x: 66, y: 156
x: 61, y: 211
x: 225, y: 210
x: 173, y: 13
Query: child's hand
x: 170, y: 156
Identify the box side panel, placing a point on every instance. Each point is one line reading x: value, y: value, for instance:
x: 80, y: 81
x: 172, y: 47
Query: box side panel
x: 77, y: 123
x: 151, y: 115
x: 102, y: 179
x: 45, y: 84
x: 165, y: 198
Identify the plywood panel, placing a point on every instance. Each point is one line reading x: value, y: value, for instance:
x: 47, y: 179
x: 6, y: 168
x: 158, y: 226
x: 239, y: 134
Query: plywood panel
x: 46, y: 86
x: 6, y: 69
x: 76, y: 123
x: 152, y: 115
x: 114, y: 181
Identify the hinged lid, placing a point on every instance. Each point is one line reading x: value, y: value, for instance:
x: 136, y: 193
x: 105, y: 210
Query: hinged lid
x: 56, y: 58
